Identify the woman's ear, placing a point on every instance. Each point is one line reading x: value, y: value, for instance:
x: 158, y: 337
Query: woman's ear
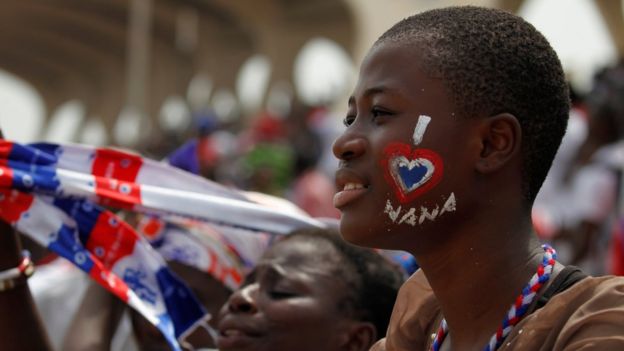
x: 501, y: 137
x: 361, y: 336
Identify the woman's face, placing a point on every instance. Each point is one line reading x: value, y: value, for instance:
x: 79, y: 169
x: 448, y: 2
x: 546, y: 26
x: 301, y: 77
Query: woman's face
x: 404, y: 169
x: 289, y: 302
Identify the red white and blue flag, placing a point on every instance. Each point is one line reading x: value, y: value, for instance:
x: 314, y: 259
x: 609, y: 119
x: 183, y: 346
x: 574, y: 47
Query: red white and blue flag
x: 57, y: 195
x: 225, y: 253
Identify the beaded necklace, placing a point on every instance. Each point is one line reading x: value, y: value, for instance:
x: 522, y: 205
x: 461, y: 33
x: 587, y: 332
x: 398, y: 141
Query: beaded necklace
x: 518, y: 308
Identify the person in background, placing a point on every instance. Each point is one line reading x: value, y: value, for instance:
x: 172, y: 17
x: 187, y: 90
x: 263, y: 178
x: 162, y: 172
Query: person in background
x: 596, y: 186
x: 199, y: 155
x: 583, y: 210
x: 311, y: 291
x: 311, y: 188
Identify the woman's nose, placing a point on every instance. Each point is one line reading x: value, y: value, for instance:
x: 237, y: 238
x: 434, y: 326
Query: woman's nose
x: 349, y: 146
x: 242, y: 300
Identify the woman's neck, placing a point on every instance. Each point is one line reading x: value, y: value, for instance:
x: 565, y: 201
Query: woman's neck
x: 477, y: 274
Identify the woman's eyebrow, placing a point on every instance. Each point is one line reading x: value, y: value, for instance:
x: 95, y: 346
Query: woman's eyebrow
x: 276, y: 268
x: 271, y: 269
x: 376, y: 90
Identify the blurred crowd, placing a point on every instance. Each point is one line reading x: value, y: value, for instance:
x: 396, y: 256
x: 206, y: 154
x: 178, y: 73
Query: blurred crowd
x: 580, y: 205
x: 285, y: 155
x: 579, y: 209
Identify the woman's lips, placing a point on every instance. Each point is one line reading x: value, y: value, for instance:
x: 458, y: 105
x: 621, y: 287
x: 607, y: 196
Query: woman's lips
x: 235, y: 338
x: 349, y: 193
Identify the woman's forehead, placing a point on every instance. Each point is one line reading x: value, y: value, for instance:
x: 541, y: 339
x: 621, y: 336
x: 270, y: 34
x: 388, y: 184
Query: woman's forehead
x: 303, y: 253
x: 394, y: 69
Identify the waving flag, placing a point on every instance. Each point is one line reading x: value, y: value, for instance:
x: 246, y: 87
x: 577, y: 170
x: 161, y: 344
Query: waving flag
x: 224, y: 253
x: 55, y: 194
x: 124, y: 180
x: 111, y: 252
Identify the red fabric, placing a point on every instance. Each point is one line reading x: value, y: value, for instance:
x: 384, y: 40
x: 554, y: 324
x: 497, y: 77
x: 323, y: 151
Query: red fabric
x: 617, y: 247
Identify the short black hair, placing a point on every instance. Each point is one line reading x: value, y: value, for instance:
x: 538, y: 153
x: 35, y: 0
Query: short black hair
x: 605, y: 103
x: 373, y: 280
x: 494, y: 62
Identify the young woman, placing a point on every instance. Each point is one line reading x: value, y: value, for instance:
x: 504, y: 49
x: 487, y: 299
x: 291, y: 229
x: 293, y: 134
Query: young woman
x: 451, y: 130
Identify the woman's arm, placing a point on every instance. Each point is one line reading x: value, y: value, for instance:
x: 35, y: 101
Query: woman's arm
x: 95, y: 322
x: 20, y: 325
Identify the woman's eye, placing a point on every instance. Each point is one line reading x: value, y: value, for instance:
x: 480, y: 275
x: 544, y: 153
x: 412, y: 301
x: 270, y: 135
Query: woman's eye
x: 379, y: 112
x: 375, y: 112
x: 278, y: 295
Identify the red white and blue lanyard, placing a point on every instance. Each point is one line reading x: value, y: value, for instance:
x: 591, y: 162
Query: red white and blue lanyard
x: 518, y: 308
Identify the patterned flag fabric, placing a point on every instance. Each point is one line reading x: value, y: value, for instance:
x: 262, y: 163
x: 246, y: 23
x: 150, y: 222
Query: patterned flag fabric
x: 57, y: 195
x: 225, y: 253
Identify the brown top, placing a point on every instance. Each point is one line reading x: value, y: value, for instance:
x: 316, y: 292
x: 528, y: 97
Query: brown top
x: 587, y: 316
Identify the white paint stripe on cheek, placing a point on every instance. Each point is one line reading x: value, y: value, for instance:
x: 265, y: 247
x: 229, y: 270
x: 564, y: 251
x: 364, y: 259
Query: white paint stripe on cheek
x: 421, y: 127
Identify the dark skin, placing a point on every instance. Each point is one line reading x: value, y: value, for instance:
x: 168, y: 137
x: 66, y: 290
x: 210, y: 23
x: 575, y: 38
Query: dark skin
x: 21, y: 328
x: 95, y: 322
x: 290, y: 302
x: 478, y: 258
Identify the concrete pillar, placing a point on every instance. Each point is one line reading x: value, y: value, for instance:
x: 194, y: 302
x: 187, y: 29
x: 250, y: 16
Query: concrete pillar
x: 611, y: 11
x: 138, y: 57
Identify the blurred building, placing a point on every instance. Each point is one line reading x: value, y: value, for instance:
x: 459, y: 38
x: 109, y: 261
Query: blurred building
x: 127, y: 71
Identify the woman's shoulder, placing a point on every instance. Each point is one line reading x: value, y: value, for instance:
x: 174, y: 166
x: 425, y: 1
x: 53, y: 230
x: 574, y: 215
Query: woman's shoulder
x: 414, y: 316
x: 590, y: 312
x: 416, y: 297
x: 590, y: 294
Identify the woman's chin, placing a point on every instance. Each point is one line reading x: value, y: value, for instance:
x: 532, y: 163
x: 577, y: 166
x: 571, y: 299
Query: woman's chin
x: 358, y: 233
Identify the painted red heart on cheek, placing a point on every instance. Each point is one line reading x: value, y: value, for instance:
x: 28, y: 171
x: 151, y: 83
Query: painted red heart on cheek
x: 411, y: 172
